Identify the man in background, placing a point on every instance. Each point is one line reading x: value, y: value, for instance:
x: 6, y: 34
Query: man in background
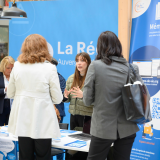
x: 62, y: 81
x: 60, y: 106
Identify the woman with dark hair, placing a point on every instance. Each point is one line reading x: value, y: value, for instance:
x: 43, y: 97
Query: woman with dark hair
x: 74, y: 92
x: 104, y: 81
x: 34, y: 85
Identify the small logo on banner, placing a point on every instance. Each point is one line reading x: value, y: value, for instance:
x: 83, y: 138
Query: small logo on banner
x: 157, y: 17
x: 139, y: 6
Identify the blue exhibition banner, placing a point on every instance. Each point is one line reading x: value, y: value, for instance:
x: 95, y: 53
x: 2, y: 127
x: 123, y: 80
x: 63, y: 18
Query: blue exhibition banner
x: 69, y: 27
x: 145, y: 52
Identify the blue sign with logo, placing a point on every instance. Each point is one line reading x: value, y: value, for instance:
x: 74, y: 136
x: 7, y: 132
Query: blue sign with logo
x: 69, y: 27
x: 145, y: 52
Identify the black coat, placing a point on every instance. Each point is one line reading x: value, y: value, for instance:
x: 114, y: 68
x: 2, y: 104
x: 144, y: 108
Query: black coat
x: 2, y: 95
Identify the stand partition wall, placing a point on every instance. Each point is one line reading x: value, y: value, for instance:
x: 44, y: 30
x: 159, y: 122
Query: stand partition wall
x: 124, y: 25
x: 124, y: 28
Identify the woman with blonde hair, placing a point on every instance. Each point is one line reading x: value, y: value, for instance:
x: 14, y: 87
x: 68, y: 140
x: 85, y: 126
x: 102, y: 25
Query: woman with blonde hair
x: 6, y: 66
x: 34, y: 84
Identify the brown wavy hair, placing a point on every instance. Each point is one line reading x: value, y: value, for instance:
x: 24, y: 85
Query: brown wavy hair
x: 78, y: 80
x: 34, y: 49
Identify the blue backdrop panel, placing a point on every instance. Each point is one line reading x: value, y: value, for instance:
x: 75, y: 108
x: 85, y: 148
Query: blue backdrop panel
x: 145, y: 51
x: 69, y: 27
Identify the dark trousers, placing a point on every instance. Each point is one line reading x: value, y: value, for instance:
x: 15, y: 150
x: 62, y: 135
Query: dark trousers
x: 29, y: 146
x: 4, y: 117
x: 77, y: 156
x: 76, y: 121
x: 99, y: 148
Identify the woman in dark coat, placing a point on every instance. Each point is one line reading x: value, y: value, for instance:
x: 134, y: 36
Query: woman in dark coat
x: 5, y: 103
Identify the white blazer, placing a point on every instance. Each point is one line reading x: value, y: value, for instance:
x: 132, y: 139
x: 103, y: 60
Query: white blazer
x: 35, y: 88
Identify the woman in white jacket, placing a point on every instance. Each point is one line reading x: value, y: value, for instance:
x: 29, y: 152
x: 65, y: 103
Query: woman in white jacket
x: 35, y: 87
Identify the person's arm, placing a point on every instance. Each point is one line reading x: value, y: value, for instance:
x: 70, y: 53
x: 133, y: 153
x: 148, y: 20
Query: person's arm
x: 57, y: 113
x: 62, y: 82
x: 89, y: 85
x: 132, y: 76
x: 67, y: 88
x: 2, y: 92
x: 55, y: 90
x: 2, y: 89
x: 11, y: 88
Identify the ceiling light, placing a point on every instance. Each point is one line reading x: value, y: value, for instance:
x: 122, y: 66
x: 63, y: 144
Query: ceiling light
x: 13, y: 12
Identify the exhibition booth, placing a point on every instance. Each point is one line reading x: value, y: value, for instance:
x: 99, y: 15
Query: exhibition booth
x: 71, y: 27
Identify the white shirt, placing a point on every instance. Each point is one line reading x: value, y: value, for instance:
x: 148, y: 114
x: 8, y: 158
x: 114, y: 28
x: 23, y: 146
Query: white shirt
x: 6, y: 82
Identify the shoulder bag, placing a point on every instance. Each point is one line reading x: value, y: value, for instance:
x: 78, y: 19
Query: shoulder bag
x: 136, y: 100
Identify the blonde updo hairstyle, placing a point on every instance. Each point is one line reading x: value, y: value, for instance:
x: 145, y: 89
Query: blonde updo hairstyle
x: 6, y: 61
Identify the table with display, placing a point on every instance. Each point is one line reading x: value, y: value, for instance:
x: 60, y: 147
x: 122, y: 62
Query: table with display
x: 9, y: 145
